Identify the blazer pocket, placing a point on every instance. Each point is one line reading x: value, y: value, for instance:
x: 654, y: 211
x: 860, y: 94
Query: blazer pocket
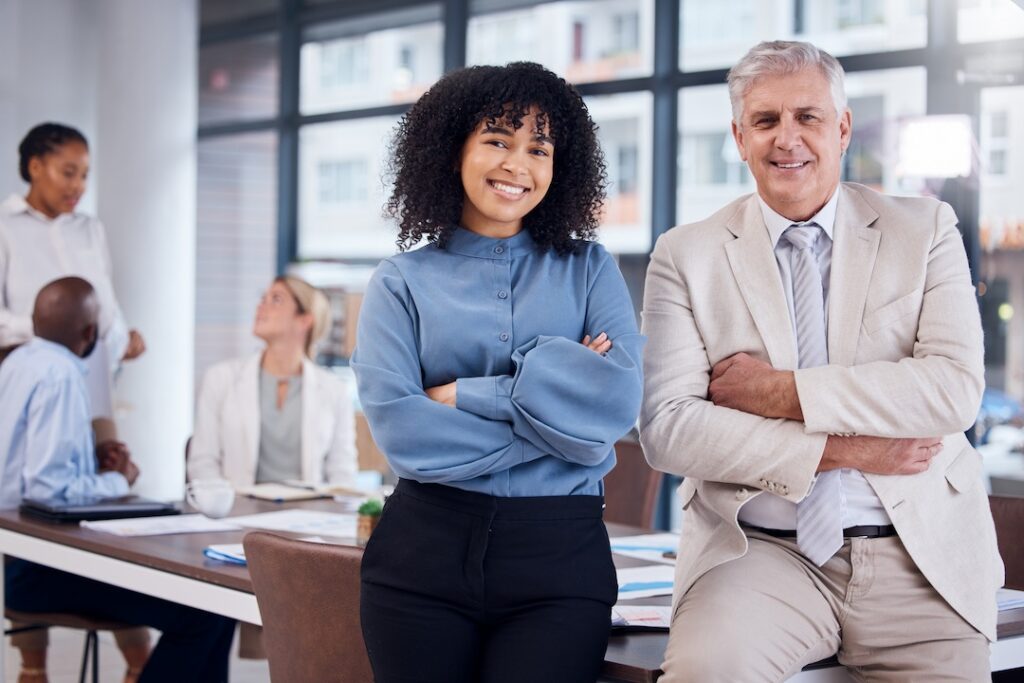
x: 965, y: 470
x: 892, y: 311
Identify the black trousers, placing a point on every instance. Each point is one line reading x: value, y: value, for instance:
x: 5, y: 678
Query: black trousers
x: 465, y: 587
x: 194, y: 645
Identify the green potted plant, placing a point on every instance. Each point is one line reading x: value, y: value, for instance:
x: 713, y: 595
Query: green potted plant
x: 369, y: 515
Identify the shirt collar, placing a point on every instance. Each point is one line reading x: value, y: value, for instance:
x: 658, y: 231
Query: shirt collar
x: 469, y: 243
x: 16, y: 204
x: 53, y: 347
x: 777, y: 223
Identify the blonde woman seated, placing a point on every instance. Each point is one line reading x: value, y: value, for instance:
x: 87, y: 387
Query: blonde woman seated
x: 276, y: 416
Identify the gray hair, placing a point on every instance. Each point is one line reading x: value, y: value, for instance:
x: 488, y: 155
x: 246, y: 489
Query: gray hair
x: 782, y: 57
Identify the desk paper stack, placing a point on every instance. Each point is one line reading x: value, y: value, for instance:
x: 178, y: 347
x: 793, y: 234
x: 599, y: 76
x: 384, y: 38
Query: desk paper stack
x: 650, y: 547
x: 157, y: 526
x: 232, y: 553
x: 301, y: 522
x: 1007, y: 598
x: 645, y: 582
x: 641, y: 617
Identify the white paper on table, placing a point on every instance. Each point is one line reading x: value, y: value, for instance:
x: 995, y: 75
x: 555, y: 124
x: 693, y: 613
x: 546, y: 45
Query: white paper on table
x: 1008, y: 598
x: 643, y: 616
x: 645, y: 582
x: 650, y: 547
x: 300, y: 521
x: 157, y: 526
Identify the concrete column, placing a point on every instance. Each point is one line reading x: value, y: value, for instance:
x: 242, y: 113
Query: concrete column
x: 144, y: 157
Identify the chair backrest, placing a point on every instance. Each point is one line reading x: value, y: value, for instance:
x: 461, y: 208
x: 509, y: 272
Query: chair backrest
x: 1008, y: 514
x: 308, y: 594
x: 631, y: 488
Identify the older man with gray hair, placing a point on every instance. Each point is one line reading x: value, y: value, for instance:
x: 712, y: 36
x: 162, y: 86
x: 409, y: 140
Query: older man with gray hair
x: 815, y: 354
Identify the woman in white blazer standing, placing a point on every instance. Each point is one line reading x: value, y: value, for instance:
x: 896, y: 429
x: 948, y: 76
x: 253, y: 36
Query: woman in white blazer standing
x: 276, y: 415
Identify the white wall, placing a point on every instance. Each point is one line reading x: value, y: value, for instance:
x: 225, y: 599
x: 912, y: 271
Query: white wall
x: 124, y: 72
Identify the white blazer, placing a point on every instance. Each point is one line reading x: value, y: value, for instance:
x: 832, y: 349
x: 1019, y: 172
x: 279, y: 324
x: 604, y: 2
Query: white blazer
x: 906, y: 360
x: 226, y: 442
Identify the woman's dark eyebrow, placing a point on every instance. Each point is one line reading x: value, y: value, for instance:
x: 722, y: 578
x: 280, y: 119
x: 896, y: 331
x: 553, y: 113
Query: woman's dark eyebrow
x: 499, y: 130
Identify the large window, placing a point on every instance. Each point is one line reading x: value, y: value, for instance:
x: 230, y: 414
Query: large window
x: 585, y: 41
x: 299, y: 98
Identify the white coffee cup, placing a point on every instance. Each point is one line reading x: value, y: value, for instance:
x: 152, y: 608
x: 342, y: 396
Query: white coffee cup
x: 212, y: 497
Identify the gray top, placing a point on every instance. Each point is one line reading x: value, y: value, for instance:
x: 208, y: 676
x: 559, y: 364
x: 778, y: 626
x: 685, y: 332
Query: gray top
x: 280, y: 431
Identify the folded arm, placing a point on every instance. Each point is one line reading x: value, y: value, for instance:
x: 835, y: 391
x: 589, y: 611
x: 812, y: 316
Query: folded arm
x: 682, y: 431
x: 566, y: 397
x: 938, y: 389
x: 423, y: 439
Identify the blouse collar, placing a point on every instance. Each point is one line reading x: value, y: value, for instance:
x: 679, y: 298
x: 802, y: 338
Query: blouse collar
x: 469, y: 243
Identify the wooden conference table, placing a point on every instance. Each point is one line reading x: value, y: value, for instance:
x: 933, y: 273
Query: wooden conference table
x: 174, y: 568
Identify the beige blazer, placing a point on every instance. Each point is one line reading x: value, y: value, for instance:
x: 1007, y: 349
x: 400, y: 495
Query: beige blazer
x: 906, y: 360
x: 226, y: 441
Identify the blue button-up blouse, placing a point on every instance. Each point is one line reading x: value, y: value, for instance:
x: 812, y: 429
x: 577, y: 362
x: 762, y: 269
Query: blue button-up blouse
x: 537, y: 413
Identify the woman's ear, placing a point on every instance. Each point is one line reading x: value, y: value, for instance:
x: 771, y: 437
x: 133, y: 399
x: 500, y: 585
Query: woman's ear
x: 35, y: 167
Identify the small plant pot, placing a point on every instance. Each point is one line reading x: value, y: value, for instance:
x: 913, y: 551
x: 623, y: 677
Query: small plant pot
x: 365, y: 526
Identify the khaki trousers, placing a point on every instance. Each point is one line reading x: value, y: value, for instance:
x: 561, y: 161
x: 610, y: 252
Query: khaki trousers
x: 766, y: 615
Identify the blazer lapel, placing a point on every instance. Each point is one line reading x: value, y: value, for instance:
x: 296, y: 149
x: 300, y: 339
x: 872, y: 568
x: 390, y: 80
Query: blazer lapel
x: 752, y: 259
x: 310, y: 398
x: 854, y: 247
x: 249, y: 397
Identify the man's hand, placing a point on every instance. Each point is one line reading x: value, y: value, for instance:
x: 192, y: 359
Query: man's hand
x: 136, y: 345
x: 110, y: 455
x: 878, y: 454
x: 600, y: 344
x: 130, y: 471
x: 745, y: 383
x: 444, y: 393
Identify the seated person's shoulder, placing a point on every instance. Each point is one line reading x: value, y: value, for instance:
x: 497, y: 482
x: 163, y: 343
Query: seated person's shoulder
x: 228, y: 371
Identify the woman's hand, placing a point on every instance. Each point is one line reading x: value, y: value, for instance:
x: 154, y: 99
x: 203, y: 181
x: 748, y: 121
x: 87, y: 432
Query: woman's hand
x: 444, y: 393
x: 600, y: 344
x: 136, y: 345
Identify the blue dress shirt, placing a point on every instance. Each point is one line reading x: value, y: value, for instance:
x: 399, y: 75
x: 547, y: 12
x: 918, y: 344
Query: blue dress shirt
x: 537, y: 413
x: 46, y: 437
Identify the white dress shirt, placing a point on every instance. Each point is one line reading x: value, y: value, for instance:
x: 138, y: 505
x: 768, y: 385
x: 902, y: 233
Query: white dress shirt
x: 858, y: 501
x: 46, y: 444
x: 35, y: 250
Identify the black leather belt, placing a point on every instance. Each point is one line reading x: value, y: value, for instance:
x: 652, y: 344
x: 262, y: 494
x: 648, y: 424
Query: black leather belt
x: 865, y: 531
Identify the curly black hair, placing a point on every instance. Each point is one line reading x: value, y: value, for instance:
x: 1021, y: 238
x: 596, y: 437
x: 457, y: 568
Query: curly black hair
x: 427, y: 193
x: 43, y: 139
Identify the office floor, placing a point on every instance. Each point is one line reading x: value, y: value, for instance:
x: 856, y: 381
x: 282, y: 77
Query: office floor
x: 66, y: 658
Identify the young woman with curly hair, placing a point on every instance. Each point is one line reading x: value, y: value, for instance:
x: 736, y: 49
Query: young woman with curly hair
x: 497, y: 366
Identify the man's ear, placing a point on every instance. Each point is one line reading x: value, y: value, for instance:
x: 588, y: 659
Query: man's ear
x: 737, y: 135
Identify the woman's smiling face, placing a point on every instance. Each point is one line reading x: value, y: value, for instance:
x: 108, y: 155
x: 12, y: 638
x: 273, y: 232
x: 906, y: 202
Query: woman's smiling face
x: 505, y: 174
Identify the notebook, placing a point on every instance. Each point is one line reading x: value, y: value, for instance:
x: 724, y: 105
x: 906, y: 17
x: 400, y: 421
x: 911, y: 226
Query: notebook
x: 108, y: 508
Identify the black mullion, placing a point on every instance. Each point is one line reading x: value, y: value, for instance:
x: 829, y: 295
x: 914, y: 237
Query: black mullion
x: 666, y: 117
x: 239, y: 29
x: 288, y: 137
x: 456, y: 28
x: 367, y: 113
x: 212, y: 130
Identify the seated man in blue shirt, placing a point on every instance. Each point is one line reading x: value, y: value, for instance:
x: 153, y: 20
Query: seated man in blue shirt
x: 46, y: 452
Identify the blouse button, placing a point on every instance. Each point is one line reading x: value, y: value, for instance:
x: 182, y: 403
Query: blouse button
x: 499, y: 250
x: 503, y: 336
x: 503, y: 294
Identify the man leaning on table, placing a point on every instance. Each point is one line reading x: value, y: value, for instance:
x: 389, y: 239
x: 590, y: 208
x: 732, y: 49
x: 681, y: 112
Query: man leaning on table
x: 47, y: 452
x: 815, y: 354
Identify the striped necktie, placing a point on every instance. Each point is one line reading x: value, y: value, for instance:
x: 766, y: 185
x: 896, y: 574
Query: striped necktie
x: 819, y: 525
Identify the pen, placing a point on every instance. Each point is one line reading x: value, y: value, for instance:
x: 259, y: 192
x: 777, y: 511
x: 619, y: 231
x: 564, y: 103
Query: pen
x: 669, y: 554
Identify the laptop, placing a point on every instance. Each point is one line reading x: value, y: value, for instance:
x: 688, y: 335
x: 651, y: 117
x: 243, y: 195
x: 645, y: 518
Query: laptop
x: 104, y: 508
